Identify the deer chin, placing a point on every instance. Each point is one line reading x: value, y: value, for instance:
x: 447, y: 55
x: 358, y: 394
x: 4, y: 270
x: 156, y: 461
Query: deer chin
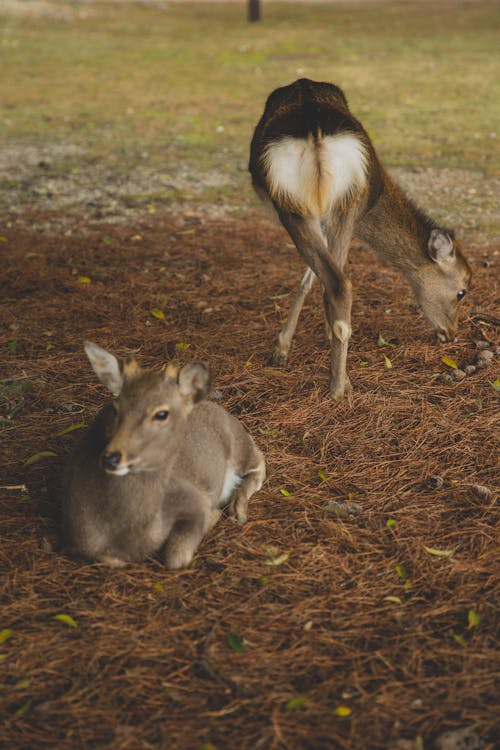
x: 120, y: 471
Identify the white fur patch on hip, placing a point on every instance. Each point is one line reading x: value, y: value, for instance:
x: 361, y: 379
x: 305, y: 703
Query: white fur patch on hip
x: 315, y: 175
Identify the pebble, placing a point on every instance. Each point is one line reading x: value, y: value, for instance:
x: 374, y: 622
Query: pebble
x: 484, y: 358
x: 436, y: 482
x: 482, y: 344
x: 458, y: 375
x: 470, y: 369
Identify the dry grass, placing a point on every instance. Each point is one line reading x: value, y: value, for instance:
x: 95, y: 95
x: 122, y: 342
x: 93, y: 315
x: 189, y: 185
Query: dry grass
x: 149, y: 664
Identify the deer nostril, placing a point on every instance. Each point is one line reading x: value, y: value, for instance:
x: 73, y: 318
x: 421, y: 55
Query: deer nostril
x: 111, y: 460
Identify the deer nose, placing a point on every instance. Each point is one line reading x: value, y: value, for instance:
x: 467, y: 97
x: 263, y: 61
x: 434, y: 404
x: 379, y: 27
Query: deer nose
x: 111, y: 460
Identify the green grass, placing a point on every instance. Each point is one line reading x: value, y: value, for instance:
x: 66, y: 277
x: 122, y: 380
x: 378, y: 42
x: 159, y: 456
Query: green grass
x: 130, y: 78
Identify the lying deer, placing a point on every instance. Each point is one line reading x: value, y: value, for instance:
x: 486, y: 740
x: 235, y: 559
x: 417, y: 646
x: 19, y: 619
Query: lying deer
x: 156, y: 466
x: 317, y: 166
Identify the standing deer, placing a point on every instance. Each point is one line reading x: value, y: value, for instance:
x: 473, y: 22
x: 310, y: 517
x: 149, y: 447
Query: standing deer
x: 156, y: 466
x: 317, y: 166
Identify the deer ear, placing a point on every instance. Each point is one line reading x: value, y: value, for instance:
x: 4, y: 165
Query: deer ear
x: 106, y: 366
x: 194, y: 381
x: 440, y: 246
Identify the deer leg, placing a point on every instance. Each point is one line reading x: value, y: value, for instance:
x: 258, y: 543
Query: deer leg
x: 327, y: 261
x: 280, y: 353
x: 251, y: 482
x: 185, y: 538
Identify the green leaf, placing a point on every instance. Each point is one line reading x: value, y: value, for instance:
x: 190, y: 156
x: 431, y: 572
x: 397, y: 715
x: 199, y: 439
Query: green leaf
x: 12, y: 347
x: 295, y: 702
x: 182, y: 347
x: 387, y: 363
x: 235, y: 642
x: 363, y: 362
x: 449, y: 362
x: 459, y: 639
x: 390, y: 523
x: 39, y: 456
x: 322, y: 476
x: 66, y: 619
x: 496, y: 384
x: 342, y: 711
x: 5, y: 634
x: 107, y: 240
x: 285, y: 492
x: 473, y: 617
x: 439, y: 552
x: 381, y: 341
x: 159, y: 587
x: 402, y: 572
x: 24, y: 709
x: 71, y: 428
x: 156, y: 313
x: 84, y: 280
x: 22, y: 684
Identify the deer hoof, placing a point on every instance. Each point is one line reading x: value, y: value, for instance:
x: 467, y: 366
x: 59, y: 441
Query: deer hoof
x: 278, y: 358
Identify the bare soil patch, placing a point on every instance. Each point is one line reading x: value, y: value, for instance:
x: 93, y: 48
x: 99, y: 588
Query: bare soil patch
x: 355, y: 609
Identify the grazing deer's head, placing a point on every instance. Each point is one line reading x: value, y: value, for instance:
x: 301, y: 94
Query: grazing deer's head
x: 150, y: 410
x: 441, y: 284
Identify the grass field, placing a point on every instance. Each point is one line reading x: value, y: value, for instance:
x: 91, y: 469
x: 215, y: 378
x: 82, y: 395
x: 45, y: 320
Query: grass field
x: 126, y: 91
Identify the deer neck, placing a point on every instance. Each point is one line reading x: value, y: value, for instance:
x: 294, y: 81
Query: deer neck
x: 397, y: 229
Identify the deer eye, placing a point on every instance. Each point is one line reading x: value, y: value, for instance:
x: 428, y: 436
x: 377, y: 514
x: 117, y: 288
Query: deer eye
x: 161, y: 415
x: 461, y: 294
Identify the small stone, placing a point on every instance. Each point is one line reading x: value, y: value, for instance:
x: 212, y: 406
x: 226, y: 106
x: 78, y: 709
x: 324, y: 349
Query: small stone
x: 436, y: 482
x: 470, y: 369
x: 484, y: 358
x: 481, y: 491
x: 459, y: 739
x: 457, y: 375
x: 481, y: 344
x: 445, y: 377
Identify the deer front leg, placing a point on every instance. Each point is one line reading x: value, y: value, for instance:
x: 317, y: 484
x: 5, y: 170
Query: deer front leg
x: 280, y: 353
x: 185, y: 538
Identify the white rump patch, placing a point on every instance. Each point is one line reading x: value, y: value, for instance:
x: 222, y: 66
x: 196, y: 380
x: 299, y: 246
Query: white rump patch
x: 231, y: 481
x: 315, y: 176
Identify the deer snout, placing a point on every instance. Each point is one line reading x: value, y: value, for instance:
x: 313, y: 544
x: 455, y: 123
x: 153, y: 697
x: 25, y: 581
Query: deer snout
x: 110, y: 460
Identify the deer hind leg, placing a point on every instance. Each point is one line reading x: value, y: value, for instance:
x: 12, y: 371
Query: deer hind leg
x: 326, y: 258
x: 251, y: 482
x: 285, y: 337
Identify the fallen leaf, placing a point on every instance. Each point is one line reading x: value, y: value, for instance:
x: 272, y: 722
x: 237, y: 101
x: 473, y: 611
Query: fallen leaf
x: 84, y: 280
x: 439, y: 552
x: 156, y: 313
x: 496, y: 384
x: 322, y: 476
x: 235, y: 642
x: 473, y: 617
x: 279, y: 560
x: 295, y: 702
x: 39, y: 456
x: 182, y: 347
x: 342, y: 711
x: 66, y: 619
x: 387, y: 363
x: 393, y: 599
x: 402, y: 572
x: 459, y: 639
x: 21, y: 684
x: 390, y: 523
x: 24, y: 709
x: 449, y: 362
x: 5, y: 634
x: 285, y: 493
x: 71, y: 428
